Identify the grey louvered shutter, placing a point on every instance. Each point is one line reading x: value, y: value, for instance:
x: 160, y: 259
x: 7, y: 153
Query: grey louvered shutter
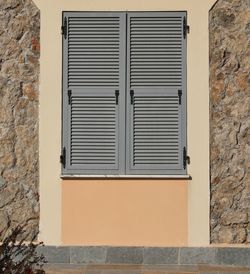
x: 156, y: 93
x: 93, y: 92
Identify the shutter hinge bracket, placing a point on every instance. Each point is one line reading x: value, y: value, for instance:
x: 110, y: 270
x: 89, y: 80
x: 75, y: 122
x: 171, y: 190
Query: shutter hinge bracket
x: 186, y: 158
x: 132, y: 97
x: 186, y: 28
x: 117, y: 97
x: 69, y: 96
x: 179, y: 95
x: 63, y: 157
x: 64, y: 28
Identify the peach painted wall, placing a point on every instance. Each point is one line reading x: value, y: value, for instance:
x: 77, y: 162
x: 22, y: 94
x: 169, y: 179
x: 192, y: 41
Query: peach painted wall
x: 125, y: 212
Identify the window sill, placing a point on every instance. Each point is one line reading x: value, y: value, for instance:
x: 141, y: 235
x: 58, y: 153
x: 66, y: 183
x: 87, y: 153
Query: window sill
x: 174, y: 177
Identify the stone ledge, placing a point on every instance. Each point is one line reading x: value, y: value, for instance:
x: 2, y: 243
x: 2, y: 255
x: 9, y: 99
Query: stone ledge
x: 217, y: 256
x: 143, y: 269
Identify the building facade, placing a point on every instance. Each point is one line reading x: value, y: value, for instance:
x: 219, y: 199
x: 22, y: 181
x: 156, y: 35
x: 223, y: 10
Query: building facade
x: 203, y: 203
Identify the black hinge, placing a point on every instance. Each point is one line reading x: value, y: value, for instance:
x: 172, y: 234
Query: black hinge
x: 132, y: 97
x: 179, y: 95
x: 186, y: 158
x: 69, y: 96
x: 64, y: 28
x: 186, y: 28
x: 63, y: 157
x: 117, y: 97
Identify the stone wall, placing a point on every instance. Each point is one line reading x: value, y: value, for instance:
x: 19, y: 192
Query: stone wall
x: 230, y: 121
x: 19, y: 76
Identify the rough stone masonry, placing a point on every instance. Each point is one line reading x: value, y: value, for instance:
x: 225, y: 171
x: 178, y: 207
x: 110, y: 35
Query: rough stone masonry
x: 229, y: 114
x: 19, y: 79
x: 230, y: 121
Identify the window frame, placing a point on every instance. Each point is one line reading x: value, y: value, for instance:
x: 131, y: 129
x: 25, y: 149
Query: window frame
x: 124, y: 163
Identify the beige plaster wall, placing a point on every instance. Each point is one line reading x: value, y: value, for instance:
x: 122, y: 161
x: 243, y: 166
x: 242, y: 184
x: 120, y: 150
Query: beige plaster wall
x: 50, y: 113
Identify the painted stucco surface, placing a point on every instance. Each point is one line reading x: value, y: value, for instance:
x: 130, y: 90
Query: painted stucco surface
x: 51, y: 199
x: 230, y: 121
x: 124, y: 212
x: 19, y: 74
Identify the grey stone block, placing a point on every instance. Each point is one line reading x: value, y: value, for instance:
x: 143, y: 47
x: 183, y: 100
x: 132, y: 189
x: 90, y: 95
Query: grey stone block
x: 209, y: 272
x: 228, y: 272
x: 55, y: 254
x: 121, y: 272
x: 92, y: 272
x: 157, y: 255
x: 124, y: 255
x: 234, y: 256
x: 193, y: 255
x: 88, y: 255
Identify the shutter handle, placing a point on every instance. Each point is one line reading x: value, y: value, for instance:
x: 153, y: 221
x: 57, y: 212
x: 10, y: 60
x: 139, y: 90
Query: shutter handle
x: 179, y: 95
x: 132, y: 97
x: 117, y: 97
x: 69, y: 96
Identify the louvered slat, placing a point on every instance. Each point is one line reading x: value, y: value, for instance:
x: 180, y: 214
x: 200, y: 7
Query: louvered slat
x: 93, y: 140
x: 90, y: 64
x: 147, y: 63
x: 163, y: 153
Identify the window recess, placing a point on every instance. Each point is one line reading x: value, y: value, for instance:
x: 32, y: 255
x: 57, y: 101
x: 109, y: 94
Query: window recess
x: 124, y: 93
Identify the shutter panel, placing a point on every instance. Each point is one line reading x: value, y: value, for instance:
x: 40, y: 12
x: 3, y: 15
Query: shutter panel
x: 93, y: 61
x: 94, y: 130
x: 157, y: 84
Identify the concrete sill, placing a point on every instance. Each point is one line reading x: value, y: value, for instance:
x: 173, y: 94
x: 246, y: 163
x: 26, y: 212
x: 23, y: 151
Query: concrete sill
x: 173, y: 177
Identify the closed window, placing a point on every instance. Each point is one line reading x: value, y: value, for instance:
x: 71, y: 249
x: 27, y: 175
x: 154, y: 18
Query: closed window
x: 124, y: 93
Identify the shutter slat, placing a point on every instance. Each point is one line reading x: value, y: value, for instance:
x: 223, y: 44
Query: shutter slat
x: 97, y: 134
x: 159, y: 139
x: 84, y: 35
x: 142, y: 61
